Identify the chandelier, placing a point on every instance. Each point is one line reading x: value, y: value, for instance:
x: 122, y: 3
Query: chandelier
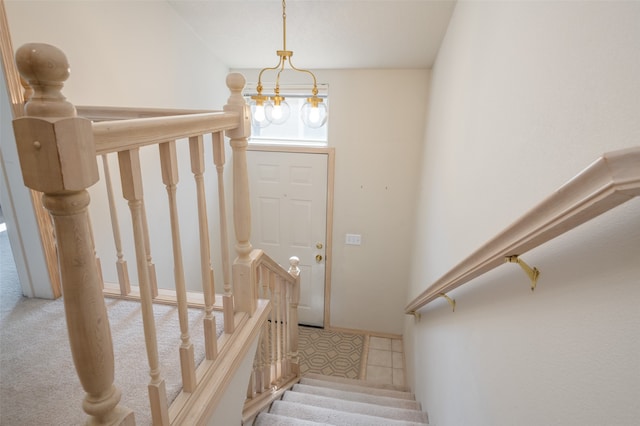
x: 273, y: 109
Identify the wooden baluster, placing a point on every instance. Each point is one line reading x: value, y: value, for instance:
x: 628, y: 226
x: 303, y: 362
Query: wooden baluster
x: 260, y: 354
x: 95, y: 253
x: 255, y: 377
x: 250, y: 393
x: 252, y: 389
x: 244, y: 291
x: 279, y: 325
x: 153, y: 279
x: 227, y: 298
x: 274, y: 332
x: 121, y: 264
x: 131, y: 178
x: 265, y: 366
x: 57, y: 157
x: 258, y: 375
x: 257, y: 363
x: 169, y: 165
x: 285, y: 327
x: 294, y: 271
x: 196, y: 150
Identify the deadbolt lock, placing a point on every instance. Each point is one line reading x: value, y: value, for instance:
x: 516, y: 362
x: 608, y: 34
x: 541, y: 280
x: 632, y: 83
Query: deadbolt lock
x: 319, y: 246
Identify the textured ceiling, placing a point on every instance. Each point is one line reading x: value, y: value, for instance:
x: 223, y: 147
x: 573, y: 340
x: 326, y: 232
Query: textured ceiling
x: 322, y: 33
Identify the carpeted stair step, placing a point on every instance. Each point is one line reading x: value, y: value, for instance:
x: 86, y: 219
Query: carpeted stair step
x: 356, y: 407
x: 366, y: 383
x: 332, y: 417
x: 357, y: 388
x: 268, y: 419
x: 358, y: 397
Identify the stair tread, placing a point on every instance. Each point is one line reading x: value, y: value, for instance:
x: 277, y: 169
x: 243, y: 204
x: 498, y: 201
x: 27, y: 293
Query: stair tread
x: 358, y: 397
x: 270, y: 419
x: 359, y: 382
x: 356, y: 407
x: 357, y: 388
x: 333, y: 417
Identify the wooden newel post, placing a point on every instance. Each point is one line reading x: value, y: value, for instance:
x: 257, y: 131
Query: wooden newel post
x: 58, y: 158
x: 245, y: 295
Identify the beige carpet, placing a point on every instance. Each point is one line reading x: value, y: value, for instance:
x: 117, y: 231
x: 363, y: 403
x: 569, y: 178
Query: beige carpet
x: 331, y: 353
x: 38, y: 382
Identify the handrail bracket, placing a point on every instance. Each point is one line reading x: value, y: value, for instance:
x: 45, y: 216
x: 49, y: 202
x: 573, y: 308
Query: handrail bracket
x: 532, y: 273
x: 451, y: 301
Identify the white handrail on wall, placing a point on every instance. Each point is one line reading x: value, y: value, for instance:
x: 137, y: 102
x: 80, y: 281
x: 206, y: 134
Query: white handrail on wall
x: 611, y: 180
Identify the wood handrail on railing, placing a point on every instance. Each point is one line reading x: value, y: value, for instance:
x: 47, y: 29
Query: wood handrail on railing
x: 608, y: 182
x: 59, y: 152
x: 119, y: 135
x: 110, y: 113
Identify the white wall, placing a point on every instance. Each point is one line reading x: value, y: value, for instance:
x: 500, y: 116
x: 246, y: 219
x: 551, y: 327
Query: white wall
x: 134, y: 53
x: 524, y: 95
x: 16, y: 202
x: 376, y: 124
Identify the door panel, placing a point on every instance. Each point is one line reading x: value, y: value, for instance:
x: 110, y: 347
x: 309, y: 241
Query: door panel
x: 289, y: 207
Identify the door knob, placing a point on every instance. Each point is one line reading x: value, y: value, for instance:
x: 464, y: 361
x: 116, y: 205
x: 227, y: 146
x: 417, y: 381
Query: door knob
x: 318, y: 258
x: 319, y: 246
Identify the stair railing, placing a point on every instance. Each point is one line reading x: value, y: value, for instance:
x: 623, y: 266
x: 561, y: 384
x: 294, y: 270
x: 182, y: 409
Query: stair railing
x: 58, y: 155
x: 276, y: 365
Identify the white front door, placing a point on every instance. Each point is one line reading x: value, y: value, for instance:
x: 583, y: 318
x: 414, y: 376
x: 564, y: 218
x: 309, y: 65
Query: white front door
x: 289, y: 218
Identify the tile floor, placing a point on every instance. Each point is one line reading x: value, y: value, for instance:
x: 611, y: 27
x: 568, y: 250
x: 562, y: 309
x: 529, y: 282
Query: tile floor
x: 385, y: 360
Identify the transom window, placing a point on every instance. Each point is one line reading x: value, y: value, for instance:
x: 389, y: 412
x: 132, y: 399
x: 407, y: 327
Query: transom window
x: 293, y: 131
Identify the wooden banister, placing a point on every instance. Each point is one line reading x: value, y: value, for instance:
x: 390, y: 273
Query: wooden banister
x: 114, y: 136
x: 608, y: 182
x: 57, y: 158
x: 105, y: 113
x: 58, y: 154
x: 276, y: 365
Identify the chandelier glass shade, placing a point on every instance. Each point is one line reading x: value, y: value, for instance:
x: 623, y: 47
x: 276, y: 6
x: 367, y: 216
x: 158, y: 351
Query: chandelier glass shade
x: 273, y: 109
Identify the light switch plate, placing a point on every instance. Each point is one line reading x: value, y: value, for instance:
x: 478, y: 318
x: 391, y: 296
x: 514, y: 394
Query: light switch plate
x: 353, y: 239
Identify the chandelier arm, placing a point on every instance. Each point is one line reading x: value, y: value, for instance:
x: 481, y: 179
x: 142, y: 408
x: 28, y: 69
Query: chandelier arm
x: 315, y: 84
x: 280, y: 65
x: 277, y: 88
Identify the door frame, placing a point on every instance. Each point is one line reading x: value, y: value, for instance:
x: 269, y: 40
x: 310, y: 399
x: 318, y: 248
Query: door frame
x: 330, y: 152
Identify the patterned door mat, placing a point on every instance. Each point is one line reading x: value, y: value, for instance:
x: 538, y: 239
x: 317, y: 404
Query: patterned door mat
x: 330, y: 353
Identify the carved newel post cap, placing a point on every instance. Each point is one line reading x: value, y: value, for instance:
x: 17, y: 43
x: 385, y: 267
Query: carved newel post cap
x: 236, y: 82
x: 294, y: 261
x: 45, y: 68
x: 56, y: 148
x: 236, y: 103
